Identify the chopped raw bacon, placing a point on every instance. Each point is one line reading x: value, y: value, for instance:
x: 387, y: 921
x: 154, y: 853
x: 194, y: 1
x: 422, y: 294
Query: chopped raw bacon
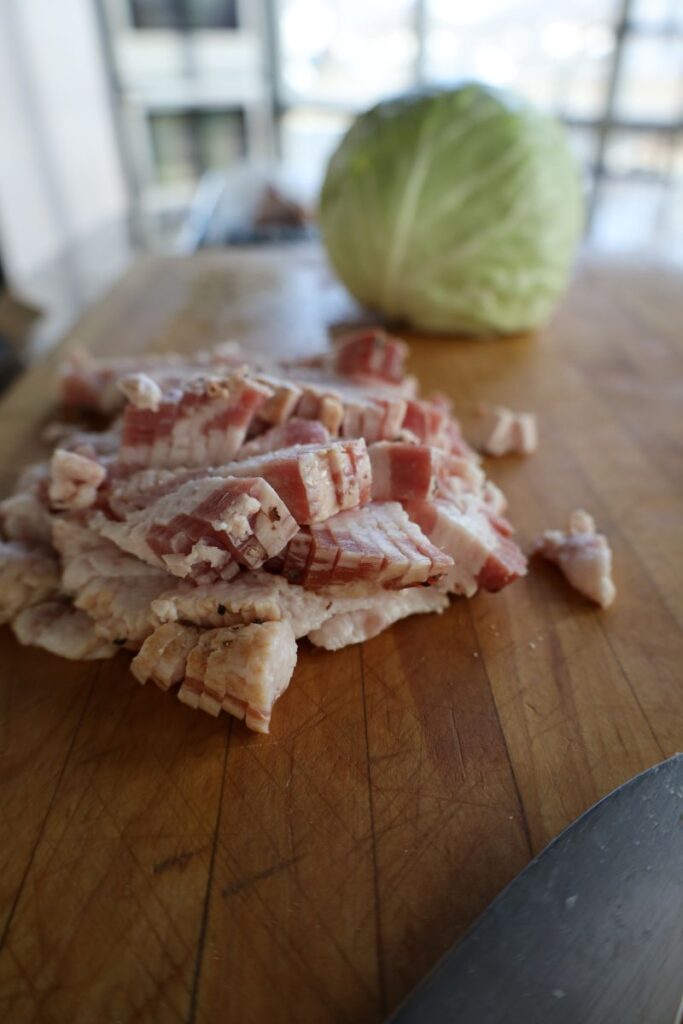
x: 229, y: 512
x: 239, y: 669
x: 25, y: 517
x: 242, y: 670
x: 380, y: 612
x: 58, y: 627
x: 377, y: 544
x: 379, y: 419
x: 90, y: 383
x: 250, y: 597
x: 29, y: 574
x: 163, y: 655
x: 74, y: 481
x: 500, y: 431
x: 429, y: 423
x: 372, y: 353
x: 207, y: 528
x: 90, y: 442
x: 115, y: 589
x: 584, y: 557
x: 316, y: 403
x: 202, y: 423
x: 314, y: 481
x: 292, y: 432
x: 402, y: 471
x: 481, y: 556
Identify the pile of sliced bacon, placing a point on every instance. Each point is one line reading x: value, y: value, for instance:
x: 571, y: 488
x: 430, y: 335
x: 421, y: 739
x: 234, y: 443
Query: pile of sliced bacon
x: 232, y: 508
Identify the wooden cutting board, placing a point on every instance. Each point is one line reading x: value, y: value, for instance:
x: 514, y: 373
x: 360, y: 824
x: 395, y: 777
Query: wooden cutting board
x: 160, y: 865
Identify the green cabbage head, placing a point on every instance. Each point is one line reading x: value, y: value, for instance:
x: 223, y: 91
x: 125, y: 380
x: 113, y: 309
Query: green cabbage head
x: 454, y: 211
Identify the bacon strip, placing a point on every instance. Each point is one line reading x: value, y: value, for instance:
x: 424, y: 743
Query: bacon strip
x: 207, y: 528
x: 61, y: 629
x: 239, y: 669
x: 372, y: 353
x: 481, y: 556
x: 377, y: 544
x: 285, y: 435
x: 204, y: 423
x: 314, y: 481
x: 402, y: 471
x: 29, y: 574
x: 90, y: 383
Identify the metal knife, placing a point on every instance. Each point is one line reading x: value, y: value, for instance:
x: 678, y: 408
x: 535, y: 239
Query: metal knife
x: 591, y: 932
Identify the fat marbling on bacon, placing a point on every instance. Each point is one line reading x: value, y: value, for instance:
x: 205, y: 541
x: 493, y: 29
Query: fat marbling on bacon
x: 238, y: 505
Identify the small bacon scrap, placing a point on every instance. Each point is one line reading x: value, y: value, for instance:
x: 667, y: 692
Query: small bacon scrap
x: 584, y: 557
x: 500, y: 431
x: 74, y: 480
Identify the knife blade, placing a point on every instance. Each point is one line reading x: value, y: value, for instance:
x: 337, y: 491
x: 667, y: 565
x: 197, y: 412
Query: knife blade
x: 591, y: 932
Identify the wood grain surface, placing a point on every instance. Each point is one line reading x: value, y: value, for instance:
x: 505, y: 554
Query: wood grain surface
x: 159, y: 865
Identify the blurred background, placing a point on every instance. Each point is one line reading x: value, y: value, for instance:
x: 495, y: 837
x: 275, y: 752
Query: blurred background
x: 168, y: 125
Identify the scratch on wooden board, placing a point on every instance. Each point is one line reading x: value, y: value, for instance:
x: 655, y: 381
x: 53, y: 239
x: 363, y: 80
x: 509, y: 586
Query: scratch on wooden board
x: 232, y: 890
x: 180, y: 861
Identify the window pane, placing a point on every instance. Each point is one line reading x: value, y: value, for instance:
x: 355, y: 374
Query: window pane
x: 639, y: 152
x: 657, y: 13
x: 650, y: 84
x: 220, y: 138
x: 558, y: 54
x: 179, y: 14
x: 186, y: 144
x: 172, y: 147
x: 347, y: 52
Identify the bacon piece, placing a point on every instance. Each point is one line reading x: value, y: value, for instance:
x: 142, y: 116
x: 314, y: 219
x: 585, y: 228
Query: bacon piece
x: 286, y: 435
x: 85, y: 442
x: 584, y: 557
x: 207, y: 528
x: 203, y: 423
x: 141, y: 391
x: 500, y: 431
x: 115, y: 589
x: 378, y: 419
x: 317, y: 403
x: 281, y: 404
x: 372, y: 353
x: 481, y: 556
x: 429, y: 423
x: 380, y: 611
x: 29, y: 574
x: 401, y: 471
x: 74, y: 480
x: 238, y: 669
x: 163, y: 655
x: 242, y: 670
x: 58, y: 627
x: 24, y: 517
x: 250, y: 597
x: 91, y: 383
x: 314, y: 481
x: 377, y: 544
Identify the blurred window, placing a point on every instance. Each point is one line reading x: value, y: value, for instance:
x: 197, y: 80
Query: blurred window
x: 287, y: 76
x: 183, y: 14
x: 611, y: 69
